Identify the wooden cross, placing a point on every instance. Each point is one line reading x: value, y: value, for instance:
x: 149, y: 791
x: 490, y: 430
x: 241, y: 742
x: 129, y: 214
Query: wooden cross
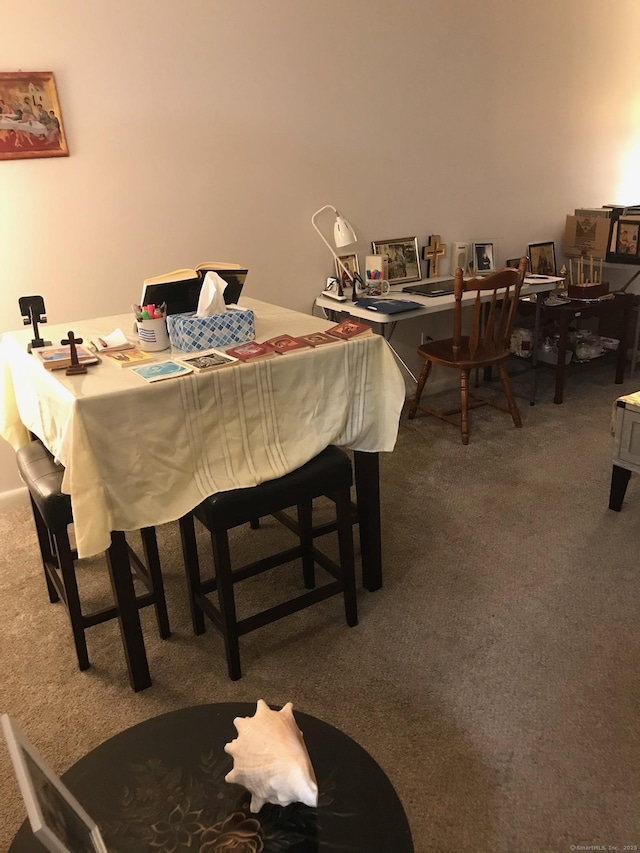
x: 432, y: 253
x: 75, y: 366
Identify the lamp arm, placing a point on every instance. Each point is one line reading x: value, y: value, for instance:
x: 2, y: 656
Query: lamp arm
x: 326, y: 242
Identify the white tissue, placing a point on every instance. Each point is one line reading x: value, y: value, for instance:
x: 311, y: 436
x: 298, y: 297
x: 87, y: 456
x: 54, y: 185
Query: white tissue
x: 211, y: 300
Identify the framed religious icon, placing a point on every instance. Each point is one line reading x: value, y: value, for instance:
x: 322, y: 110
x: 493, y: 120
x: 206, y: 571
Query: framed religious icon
x: 542, y: 258
x: 403, y: 258
x: 351, y: 263
x: 483, y: 258
x: 627, y: 237
x: 30, y: 118
x: 56, y: 817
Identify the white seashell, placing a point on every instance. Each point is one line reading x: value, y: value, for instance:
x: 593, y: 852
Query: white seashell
x: 271, y: 760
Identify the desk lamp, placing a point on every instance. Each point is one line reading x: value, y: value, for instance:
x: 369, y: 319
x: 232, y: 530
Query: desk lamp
x: 343, y: 235
x: 32, y: 310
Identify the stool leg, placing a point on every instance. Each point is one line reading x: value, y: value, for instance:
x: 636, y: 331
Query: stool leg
x: 305, y: 525
x: 619, y: 482
x: 68, y: 572
x: 347, y: 564
x: 226, y: 598
x: 152, y: 560
x: 192, y: 569
x: 46, y: 552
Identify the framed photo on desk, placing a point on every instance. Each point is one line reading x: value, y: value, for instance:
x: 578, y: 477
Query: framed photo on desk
x: 542, y: 258
x: 404, y: 259
x: 484, y: 258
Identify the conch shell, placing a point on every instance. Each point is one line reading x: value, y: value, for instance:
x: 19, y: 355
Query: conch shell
x: 271, y: 760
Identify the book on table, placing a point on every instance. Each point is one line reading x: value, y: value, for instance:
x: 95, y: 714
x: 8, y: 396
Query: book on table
x: 208, y: 360
x: 318, y: 339
x: 128, y: 357
x: 284, y: 344
x: 349, y: 329
x: 57, y: 357
x: 251, y: 351
x: 161, y: 370
x: 180, y: 289
x: 113, y: 342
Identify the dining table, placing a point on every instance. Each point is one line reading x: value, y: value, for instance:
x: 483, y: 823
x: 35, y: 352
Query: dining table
x: 139, y: 454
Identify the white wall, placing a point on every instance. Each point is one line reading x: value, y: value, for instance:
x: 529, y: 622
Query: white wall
x: 213, y: 129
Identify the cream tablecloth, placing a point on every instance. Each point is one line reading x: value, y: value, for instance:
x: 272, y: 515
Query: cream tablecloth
x: 139, y: 454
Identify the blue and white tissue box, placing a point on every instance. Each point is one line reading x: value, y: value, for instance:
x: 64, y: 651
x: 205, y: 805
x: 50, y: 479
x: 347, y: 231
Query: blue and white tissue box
x: 189, y: 332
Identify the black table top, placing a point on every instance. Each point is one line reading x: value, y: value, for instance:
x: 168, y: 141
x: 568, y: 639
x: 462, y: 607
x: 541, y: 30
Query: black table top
x: 159, y: 786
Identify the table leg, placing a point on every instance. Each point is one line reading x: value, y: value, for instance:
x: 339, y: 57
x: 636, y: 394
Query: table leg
x: 367, y: 469
x: 128, y: 613
x: 536, y: 343
x: 621, y: 361
x: 565, y: 317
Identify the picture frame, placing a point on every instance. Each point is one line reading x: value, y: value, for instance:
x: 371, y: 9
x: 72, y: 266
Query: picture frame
x: 56, y: 817
x: 512, y: 263
x: 351, y: 263
x: 628, y: 237
x: 403, y: 258
x: 483, y: 258
x: 542, y: 258
x: 30, y: 117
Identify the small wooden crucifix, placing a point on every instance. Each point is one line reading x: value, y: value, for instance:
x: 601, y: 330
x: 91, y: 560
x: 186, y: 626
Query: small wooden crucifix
x: 75, y: 366
x: 432, y: 253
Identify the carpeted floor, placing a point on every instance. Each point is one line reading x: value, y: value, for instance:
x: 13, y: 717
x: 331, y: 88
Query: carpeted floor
x: 494, y: 678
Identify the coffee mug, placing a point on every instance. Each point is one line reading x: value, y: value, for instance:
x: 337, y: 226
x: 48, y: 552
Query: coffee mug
x: 378, y: 287
x: 153, y: 335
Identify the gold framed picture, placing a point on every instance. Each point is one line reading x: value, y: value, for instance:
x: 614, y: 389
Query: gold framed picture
x: 30, y: 118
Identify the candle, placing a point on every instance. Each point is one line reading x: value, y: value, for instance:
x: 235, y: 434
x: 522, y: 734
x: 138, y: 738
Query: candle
x: 571, y: 271
x: 591, y: 268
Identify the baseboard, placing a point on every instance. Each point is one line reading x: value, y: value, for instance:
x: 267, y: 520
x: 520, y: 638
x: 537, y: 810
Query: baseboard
x: 14, y: 499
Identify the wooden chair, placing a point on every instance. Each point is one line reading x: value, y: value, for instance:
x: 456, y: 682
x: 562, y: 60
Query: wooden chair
x: 486, y: 345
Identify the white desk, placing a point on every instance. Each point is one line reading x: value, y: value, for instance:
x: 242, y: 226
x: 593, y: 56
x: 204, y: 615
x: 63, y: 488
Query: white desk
x: 428, y: 304
x: 139, y: 455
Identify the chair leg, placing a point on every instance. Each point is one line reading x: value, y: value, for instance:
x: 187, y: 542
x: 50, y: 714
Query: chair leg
x: 226, y: 599
x: 506, y: 384
x: 192, y: 569
x: 152, y: 561
x: 46, y: 551
x: 424, y: 375
x: 347, y: 563
x: 254, y: 524
x: 464, y: 405
x: 305, y: 525
x: 68, y: 572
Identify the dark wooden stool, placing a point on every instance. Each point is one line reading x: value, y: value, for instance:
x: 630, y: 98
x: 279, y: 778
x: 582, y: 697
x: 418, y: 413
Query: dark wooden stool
x: 52, y: 515
x: 328, y: 474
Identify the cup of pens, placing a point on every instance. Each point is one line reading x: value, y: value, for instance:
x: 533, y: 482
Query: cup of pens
x: 152, y: 327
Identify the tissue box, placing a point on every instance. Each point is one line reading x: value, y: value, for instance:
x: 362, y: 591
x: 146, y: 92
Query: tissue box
x: 189, y: 332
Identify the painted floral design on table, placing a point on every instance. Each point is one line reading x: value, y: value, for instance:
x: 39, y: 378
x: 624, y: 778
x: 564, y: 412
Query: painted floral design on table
x: 169, y: 810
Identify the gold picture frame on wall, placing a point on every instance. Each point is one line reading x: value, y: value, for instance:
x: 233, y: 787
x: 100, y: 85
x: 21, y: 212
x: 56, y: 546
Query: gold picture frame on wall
x: 30, y: 118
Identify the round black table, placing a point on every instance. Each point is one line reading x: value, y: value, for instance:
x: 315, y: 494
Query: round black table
x: 159, y: 786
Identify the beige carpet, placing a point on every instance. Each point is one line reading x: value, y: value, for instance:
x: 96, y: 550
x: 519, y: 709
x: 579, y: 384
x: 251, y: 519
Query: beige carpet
x: 494, y: 678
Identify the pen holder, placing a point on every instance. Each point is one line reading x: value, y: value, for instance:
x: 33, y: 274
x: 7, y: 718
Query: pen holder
x: 153, y: 335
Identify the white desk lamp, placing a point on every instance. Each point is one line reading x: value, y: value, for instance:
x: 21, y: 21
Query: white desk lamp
x: 343, y: 235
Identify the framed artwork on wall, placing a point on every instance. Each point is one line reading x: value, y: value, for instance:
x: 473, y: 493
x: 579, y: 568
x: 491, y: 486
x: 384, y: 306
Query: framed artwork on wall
x: 30, y: 119
x: 484, y: 259
x: 542, y: 258
x: 403, y: 258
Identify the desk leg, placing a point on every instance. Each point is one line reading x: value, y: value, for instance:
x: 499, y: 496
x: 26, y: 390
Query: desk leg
x: 536, y: 343
x: 367, y: 468
x: 128, y: 614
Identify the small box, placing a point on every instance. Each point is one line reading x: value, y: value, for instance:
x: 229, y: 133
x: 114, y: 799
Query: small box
x: 588, y: 291
x: 189, y: 332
